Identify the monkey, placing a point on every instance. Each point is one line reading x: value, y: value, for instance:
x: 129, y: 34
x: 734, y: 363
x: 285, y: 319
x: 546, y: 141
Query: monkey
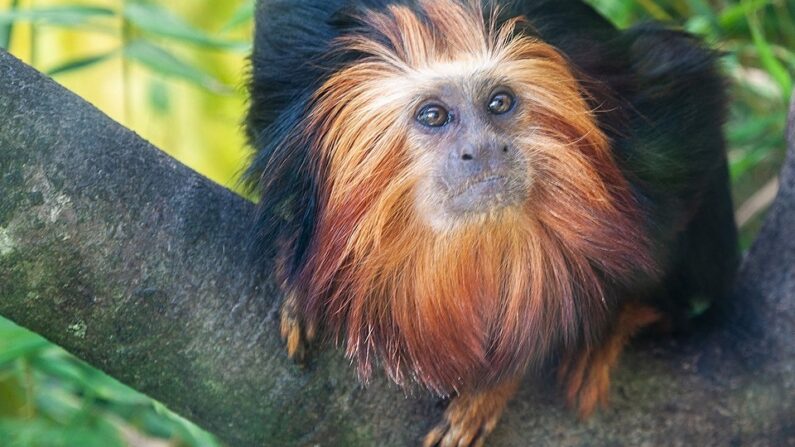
x: 464, y: 193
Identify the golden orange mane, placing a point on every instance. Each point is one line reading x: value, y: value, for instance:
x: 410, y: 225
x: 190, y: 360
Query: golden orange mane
x: 471, y: 302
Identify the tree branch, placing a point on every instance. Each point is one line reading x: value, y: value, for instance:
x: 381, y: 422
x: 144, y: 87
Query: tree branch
x: 138, y: 265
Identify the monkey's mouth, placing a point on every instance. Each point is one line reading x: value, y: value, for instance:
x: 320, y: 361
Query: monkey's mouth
x: 485, y: 184
x: 483, y: 193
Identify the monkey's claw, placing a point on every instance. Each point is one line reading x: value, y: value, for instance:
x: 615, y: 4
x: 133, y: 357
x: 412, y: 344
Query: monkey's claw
x: 296, y: 332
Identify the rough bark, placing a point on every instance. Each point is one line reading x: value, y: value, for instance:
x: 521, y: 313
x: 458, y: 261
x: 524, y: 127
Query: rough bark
x: 138, y: 265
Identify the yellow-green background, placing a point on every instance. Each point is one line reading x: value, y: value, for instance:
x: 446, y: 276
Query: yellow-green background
x: 200, y: 127
x: 189, y: 101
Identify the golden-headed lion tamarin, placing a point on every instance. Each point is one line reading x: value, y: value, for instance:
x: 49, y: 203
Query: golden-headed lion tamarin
x: 461, y: 191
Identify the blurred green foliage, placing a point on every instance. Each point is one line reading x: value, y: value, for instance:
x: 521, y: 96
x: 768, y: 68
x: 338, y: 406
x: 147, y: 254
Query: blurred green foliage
x: 49, y: 398
x: 141, y: 21
x: 173, y: 72
x: 757, y: 39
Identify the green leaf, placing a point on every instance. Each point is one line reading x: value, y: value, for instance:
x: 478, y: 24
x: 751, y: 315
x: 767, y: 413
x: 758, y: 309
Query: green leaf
x: 187, y: 430
x: 106, y: 387
x: 769, y: 61
x: 73, y: 15
x: 654, y: 10
x: 41, y: 432
x: 14, y: 398
x: 243, y: 14
x: 60, y: 367
x: 745, y: 162
x: 709, y: 26
x: 159, y: 96
x: 749, y: 130
x: 700, y: 25
x: 786, y: 55
x: 7, y: 29
x: 81, y: 63
x: 786, y: 26
x: 161, y: 61
x: 19, y: 345
x: 8, y: 325
x: 734, y: 15
x: 159, y: 21
x: 86, y: 380
x: 620, y: 13
x: 58, y: 403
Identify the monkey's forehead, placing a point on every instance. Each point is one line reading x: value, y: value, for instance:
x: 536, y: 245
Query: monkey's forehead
x: 465, y: 66
x: 468, y: 77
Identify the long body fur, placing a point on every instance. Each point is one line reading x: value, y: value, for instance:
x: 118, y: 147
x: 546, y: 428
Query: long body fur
x: 629, y: 203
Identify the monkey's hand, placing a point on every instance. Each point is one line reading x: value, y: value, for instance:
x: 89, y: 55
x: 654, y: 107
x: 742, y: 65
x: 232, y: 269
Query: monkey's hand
x: 297, y: 332
x: 586, y: 375
x: 471, y: 416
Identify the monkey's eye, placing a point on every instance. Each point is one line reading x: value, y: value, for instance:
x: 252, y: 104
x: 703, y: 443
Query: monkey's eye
x: 433, y: 116
x: 501, y: 103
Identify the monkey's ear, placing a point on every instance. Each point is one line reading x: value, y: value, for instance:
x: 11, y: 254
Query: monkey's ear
x: 283, y: 175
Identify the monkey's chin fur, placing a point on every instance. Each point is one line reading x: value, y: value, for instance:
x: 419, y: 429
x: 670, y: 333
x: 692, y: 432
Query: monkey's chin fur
x: 482, y: 212
x: 481, y: 200
x: 465, y: 304
x: 464, y: 307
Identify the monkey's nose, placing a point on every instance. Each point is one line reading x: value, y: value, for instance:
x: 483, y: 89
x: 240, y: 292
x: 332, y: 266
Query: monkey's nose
x: 473, y: 152
x: 474, y: 159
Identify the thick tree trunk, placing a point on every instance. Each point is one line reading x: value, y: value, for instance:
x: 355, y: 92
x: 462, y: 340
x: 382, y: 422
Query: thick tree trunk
x: 138, y: 265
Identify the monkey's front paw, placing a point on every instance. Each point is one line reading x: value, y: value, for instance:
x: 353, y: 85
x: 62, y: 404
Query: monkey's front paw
x: 296, y: 331
x: 466, y: 423
x: 471, y: 416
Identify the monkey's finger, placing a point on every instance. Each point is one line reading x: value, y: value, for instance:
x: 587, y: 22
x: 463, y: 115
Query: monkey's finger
x: 434, y: 437
x: 479, y: 441
x: 310, y: 332
x: 285, y: 325
x: 292, y: 334
x: 295, y: 344
x: 467, y: 438
x: 576, y: 379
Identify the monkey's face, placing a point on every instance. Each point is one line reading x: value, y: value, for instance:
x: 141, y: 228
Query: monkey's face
x: 465, y: 137
x: 449, y: 130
